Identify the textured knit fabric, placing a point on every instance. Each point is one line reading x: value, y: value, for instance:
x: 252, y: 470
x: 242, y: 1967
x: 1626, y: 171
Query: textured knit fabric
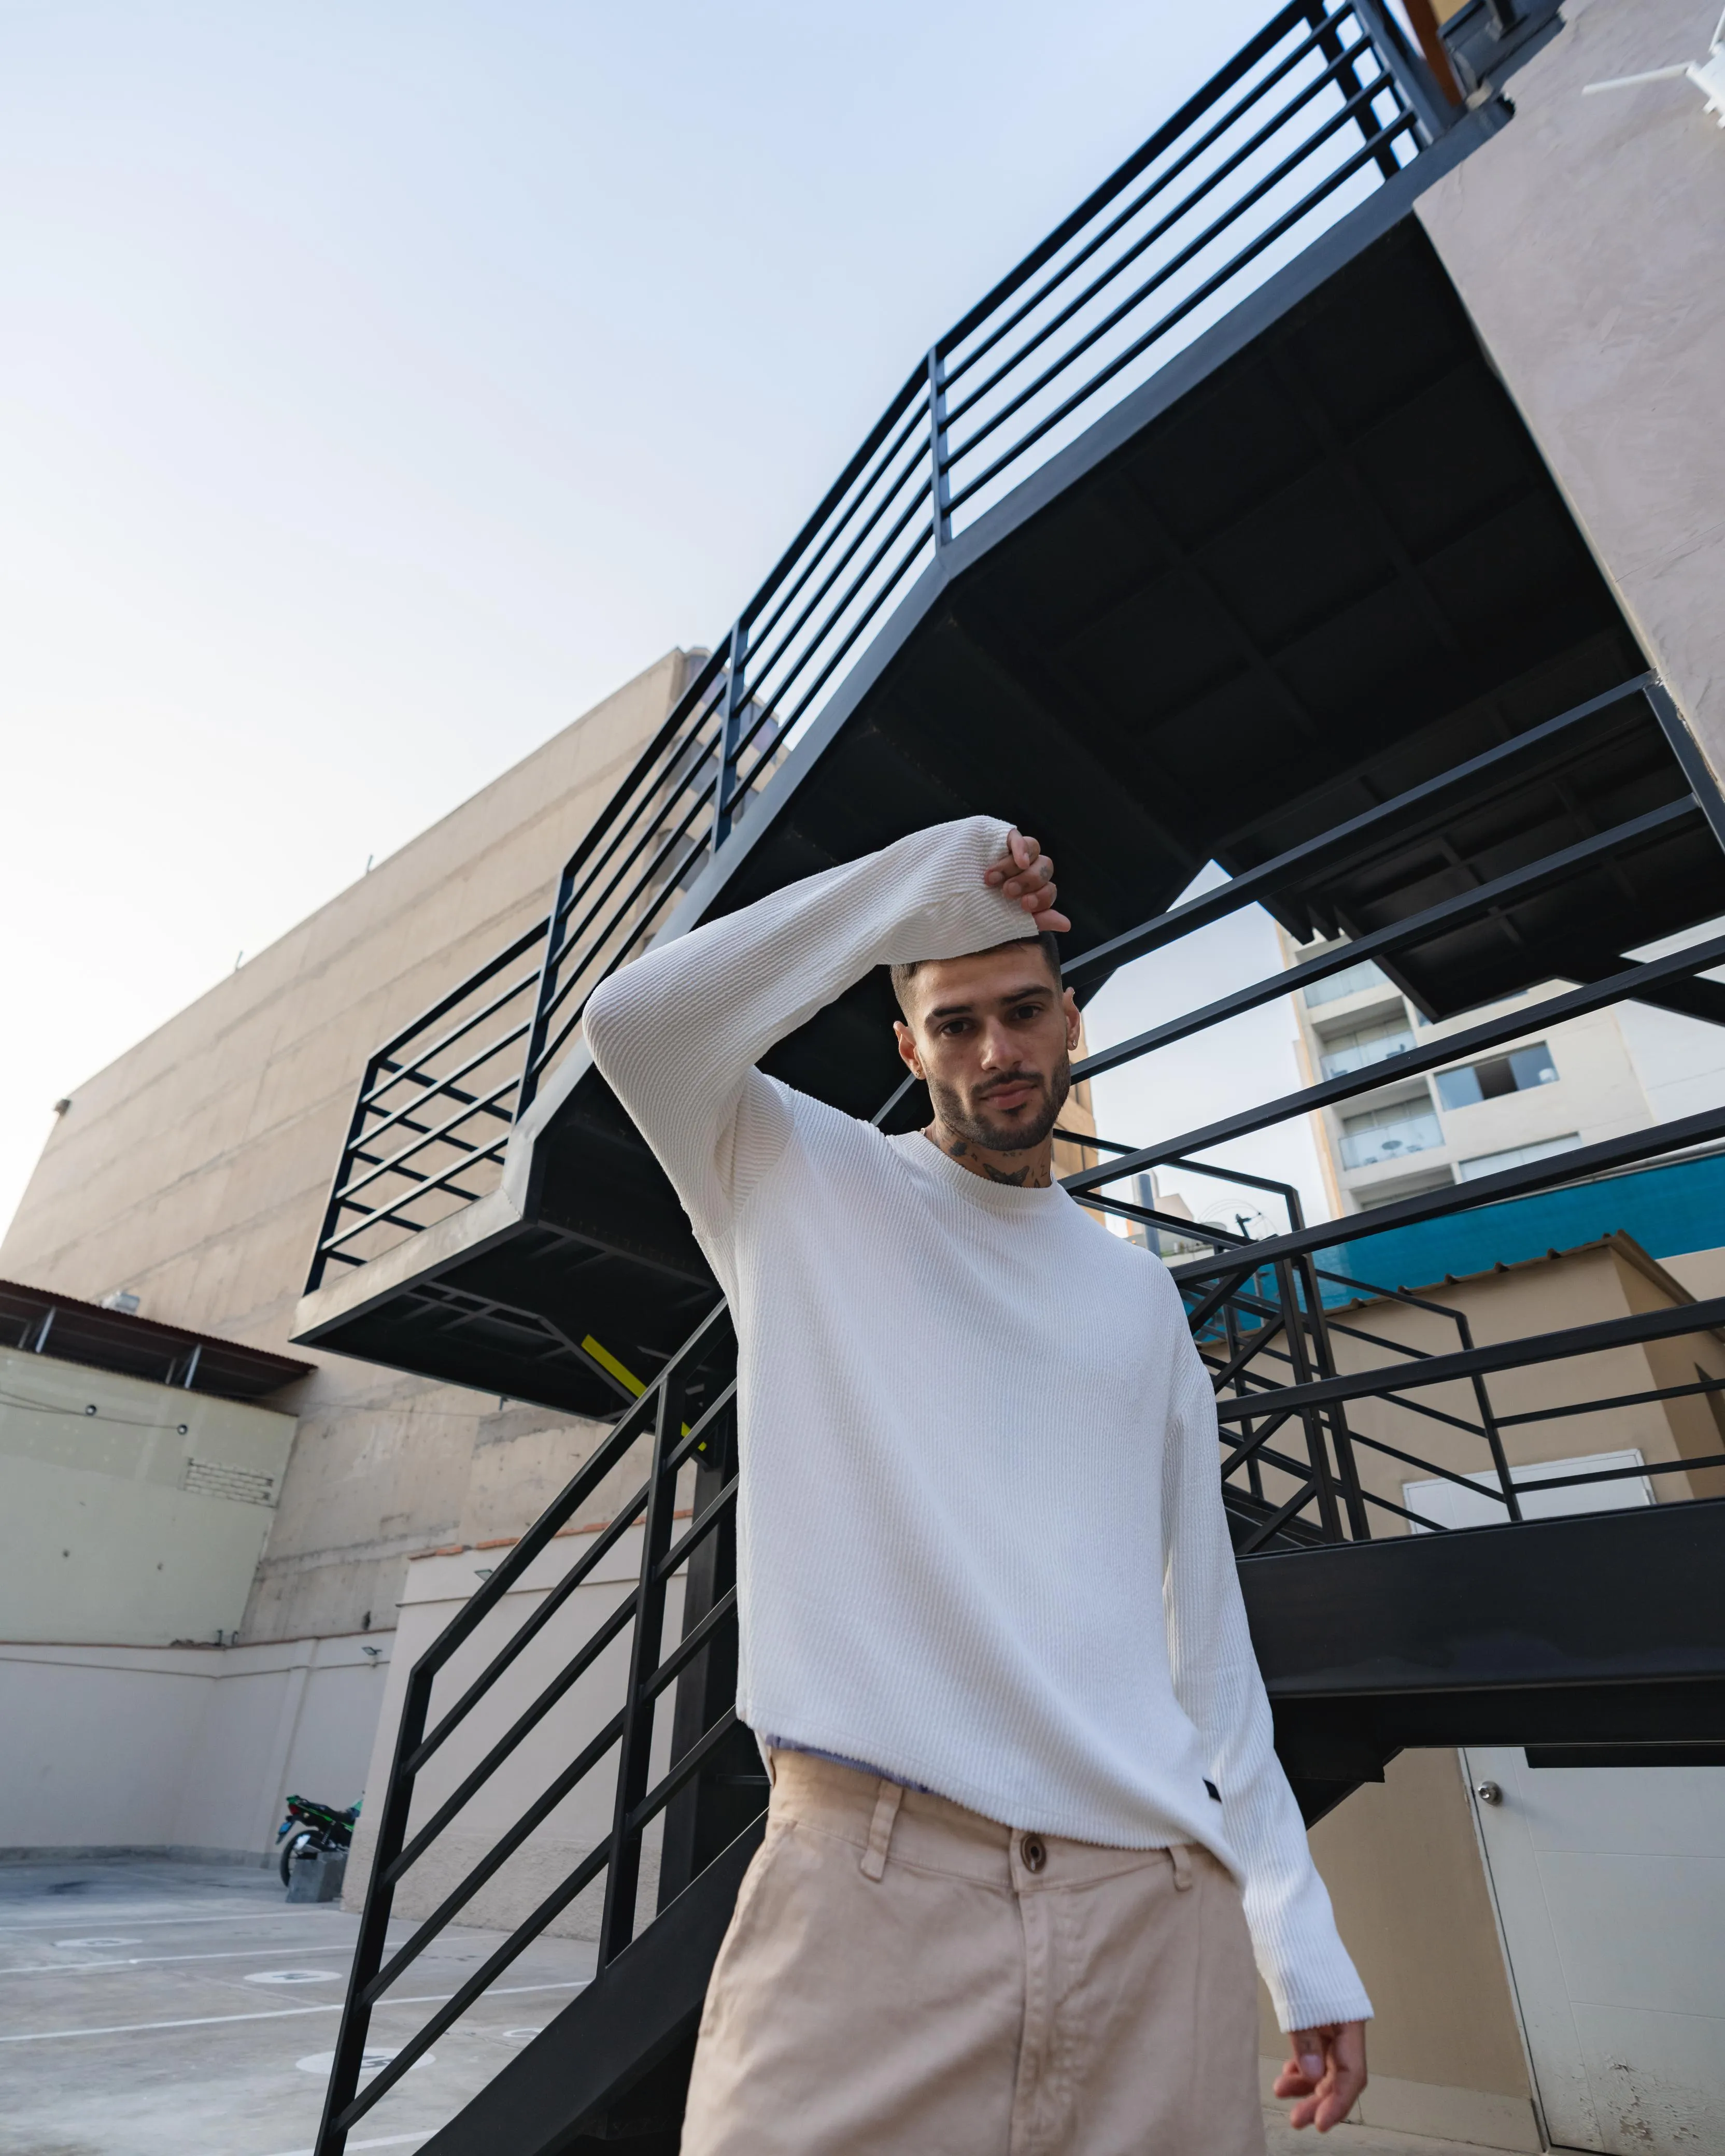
x: 1088, y: 2002
x: 980, y: 1537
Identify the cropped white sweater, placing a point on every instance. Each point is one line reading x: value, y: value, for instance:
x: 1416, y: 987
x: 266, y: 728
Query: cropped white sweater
x: 980, y: 1535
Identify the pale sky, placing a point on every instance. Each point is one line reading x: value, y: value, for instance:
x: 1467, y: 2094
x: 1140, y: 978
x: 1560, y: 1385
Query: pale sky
x: 381, y: 385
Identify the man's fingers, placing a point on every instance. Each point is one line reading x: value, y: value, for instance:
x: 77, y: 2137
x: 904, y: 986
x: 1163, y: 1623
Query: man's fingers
x: 1030, y: 878
x: 1022, y: 869
x: 1327, y: 2071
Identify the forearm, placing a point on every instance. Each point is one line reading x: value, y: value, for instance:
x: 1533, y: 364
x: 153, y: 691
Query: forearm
x: 678, y: 1033
x: 1309, y: 1978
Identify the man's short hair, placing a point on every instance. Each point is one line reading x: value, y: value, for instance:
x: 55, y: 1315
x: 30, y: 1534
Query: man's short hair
x: 1047, y: 942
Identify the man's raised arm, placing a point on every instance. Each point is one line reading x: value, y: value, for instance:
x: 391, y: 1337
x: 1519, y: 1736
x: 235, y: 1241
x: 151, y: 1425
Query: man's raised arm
x: 678, y: 1033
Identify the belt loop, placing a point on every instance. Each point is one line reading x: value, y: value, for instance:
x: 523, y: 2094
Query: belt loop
x: 1181, y: 1859
x: 886, y: 1804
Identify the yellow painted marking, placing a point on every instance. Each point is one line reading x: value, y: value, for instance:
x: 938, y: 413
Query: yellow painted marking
x: 621, y: 1371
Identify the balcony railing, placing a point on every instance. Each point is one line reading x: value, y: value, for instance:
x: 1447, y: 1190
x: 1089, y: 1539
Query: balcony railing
x: 1322, y: 106
x: 1412, y: 1133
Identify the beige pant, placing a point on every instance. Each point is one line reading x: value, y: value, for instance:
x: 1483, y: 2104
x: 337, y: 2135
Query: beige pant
x: 905, y: 1977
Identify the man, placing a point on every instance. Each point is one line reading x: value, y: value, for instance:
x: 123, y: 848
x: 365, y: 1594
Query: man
x: 1026, y: 1805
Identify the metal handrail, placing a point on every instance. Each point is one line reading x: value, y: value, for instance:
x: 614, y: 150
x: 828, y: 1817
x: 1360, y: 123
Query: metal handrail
x: 1252, y: 157
x: 690, y: 1411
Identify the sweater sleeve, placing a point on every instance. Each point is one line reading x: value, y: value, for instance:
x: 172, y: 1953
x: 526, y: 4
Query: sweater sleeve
x: 1299, y: 1955
x: 678, y: 1033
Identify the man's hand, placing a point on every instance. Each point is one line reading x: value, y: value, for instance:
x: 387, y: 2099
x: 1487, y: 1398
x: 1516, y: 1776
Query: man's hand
x: 1024, y: 872
x: 1326, y: 2070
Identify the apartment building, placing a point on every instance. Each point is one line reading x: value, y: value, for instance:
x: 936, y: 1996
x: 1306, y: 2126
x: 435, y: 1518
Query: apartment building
x: 1564, y: 1087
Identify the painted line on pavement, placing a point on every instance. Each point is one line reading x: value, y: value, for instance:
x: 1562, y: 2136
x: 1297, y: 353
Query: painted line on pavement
x: 387, y: 2141
x: 285, y: 2013
x: 69, y: 1918
x: 149, y: 1961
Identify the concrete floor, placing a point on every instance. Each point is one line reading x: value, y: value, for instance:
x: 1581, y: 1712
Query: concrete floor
x: 156, y: 2008
x: 1356, y: 2141
x: 138, y: 2015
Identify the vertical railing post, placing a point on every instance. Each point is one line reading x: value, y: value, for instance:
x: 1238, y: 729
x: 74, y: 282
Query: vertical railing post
x: 1311, y: 1419
x: 617, y: 1926
x: 731, y: 732
x: 1488, y: 1423
x: 1433, y: 111
x: 539, y: 1031
x: 332, y: 1210
x: 1359, y: 1524
x: 940, y: 484
x: 1687, y: 749
x: 374, y: 1923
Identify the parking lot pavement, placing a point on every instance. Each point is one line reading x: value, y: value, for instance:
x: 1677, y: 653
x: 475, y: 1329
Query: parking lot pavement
x: 1359, y: 2141
x: 158, y: 2008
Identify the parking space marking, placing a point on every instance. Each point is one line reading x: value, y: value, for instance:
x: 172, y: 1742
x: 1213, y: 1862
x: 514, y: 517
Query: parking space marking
x: 149, y: 1961
x: 386, y: 2141
x: 230, y: 1917
x: 282, y: 2013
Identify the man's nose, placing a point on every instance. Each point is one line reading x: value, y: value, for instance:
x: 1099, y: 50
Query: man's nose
x: 999, y: 1050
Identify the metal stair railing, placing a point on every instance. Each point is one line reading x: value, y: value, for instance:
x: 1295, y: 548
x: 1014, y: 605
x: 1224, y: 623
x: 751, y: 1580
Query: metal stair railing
x: 687, y: 1418
x: 1326, y: 103
x: 1272, y: 1314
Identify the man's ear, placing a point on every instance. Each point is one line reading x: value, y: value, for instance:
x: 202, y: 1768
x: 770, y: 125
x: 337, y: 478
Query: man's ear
x: 1074, y: 1020
x: 907, y: 1047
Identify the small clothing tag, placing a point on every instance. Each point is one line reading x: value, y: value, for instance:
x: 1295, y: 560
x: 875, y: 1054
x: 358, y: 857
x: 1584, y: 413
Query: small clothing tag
x: 1213, y: 1790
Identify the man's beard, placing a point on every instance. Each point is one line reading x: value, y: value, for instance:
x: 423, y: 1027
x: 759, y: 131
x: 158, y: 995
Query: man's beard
x: 972, y: 1123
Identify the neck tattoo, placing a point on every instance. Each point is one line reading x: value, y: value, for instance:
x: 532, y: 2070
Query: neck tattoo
x: 956, y: 1148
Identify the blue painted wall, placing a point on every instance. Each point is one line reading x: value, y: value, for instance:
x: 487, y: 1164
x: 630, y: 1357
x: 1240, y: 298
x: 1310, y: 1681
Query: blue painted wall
x: 1677, y: 1206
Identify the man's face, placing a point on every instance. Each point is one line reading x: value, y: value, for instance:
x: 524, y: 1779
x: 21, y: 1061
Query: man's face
x: 992, y: 1036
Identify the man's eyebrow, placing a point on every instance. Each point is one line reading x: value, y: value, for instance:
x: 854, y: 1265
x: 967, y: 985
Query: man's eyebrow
x: 1011, y: 996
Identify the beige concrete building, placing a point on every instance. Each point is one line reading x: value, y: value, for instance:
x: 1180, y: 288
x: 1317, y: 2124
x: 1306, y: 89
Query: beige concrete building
x: 193, y: 1173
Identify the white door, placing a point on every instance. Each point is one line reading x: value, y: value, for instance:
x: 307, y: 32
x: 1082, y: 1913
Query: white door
x: 1609, y: 1883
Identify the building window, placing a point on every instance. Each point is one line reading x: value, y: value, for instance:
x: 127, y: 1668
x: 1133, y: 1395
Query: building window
x: 1489, y: 1163
x: 1352, y: 981
x: 1514, y: 1073
x: 1375, y: 1043
x: 1389, y: 1133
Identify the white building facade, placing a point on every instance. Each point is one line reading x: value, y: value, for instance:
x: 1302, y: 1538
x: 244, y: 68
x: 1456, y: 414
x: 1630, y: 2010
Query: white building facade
x: 1561, y: 1086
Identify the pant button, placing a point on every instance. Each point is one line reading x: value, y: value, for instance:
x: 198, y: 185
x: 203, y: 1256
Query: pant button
x: 1034, y: 1852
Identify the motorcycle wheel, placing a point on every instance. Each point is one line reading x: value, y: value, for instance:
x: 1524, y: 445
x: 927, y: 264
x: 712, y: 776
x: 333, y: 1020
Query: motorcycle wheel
x: 291, y: 1848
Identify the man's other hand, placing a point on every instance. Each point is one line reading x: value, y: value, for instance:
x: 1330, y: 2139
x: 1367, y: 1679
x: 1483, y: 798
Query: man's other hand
x: 1327, y: 2071
x: 1024, y: 872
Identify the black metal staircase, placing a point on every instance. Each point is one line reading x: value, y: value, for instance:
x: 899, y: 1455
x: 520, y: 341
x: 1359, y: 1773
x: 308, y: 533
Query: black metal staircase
x: 1209, y: 535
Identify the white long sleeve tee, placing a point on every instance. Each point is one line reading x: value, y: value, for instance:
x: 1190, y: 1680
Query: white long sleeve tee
x: 980, y: 1535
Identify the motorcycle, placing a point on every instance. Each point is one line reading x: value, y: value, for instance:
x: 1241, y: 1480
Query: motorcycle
x: 312, y: 1829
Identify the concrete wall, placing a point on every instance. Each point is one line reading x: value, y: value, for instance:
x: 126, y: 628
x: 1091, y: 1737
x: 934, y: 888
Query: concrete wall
x: 195, y: 1170
x: 190, y: 1750
x: 1585, y: 240
x: 129, y: 1511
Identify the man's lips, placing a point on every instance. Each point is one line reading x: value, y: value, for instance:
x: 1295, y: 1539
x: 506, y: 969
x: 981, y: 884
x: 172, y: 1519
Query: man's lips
x: 1012, y: 1093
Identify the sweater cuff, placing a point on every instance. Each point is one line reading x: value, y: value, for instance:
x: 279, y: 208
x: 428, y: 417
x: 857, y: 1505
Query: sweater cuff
x: 969, y: 915
x: 1319, y: 2011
